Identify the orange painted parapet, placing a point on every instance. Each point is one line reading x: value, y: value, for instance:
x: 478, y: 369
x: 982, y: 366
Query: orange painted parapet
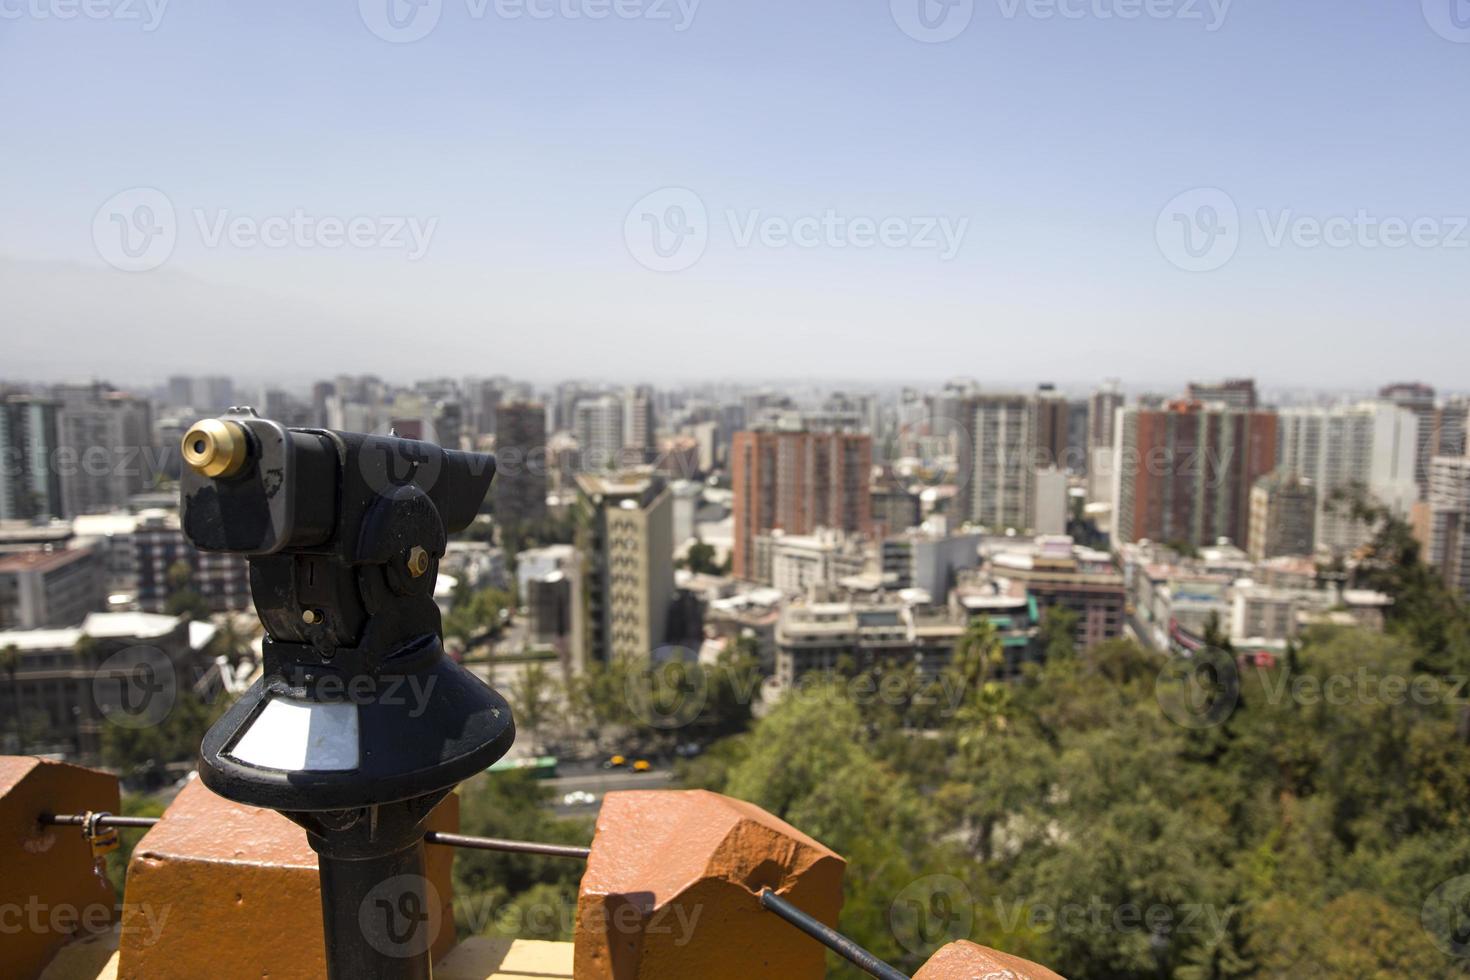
x: 671, y: 888
x: 50, y: 891
x: 220, y: 890
x: 964, y: 960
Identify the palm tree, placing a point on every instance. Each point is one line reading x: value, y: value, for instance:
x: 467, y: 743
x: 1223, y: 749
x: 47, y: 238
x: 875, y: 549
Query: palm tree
x: 978, y: 656
x: 230, y: 641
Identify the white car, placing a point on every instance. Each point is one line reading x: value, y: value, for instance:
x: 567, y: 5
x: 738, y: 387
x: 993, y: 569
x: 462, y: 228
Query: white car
x: 579, y: 797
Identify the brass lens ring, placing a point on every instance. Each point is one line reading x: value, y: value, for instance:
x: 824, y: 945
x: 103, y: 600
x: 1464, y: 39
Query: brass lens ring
x: 216, y: 448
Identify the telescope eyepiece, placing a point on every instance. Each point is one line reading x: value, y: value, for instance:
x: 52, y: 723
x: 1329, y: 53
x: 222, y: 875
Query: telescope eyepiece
x: 216, y: 448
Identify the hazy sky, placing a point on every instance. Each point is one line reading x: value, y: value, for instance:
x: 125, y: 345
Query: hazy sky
x: 662, y: 189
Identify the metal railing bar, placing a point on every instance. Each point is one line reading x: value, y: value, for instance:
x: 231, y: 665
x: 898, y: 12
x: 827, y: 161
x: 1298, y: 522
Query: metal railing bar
x: 432, y: 837
x: 829, y: 937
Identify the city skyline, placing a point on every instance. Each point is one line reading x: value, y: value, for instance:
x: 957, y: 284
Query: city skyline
x: 1282, y: 393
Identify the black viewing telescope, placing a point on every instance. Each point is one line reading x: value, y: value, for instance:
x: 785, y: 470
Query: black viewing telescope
x: 359, y: 724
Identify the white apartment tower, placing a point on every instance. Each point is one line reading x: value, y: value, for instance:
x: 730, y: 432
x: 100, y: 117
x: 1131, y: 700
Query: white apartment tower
x: 1449, y: 521
x: 1002, y: 463
x: 1372, y: 444
x: 598, y: 426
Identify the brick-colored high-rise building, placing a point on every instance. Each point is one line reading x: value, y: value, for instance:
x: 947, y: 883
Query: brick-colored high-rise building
x: 1184, y: 472
x: 798, y: 482
x: 1052, y: 417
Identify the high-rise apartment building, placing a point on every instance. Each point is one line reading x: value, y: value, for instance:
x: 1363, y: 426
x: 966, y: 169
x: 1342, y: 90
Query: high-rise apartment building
x: 321, y: 397
x: 49, y: 588
x: 548, y: 600
x: 1077, y: 426
x: 1052, y: 424
x: 1371, y: 446
x: 894, y: 508
x: 518, y: 494
x: 355, y: 404
x: 1451, y: 420
x: 1449, y: 521
x: 484, y: 399
x: 625, y: 586
x: 639, y: 429
x: 1102, y: 409
x: 283, y: 407
x: 598, y: 427
x: 947, y: 416
x: 1184, y: 472
x: 105, y: 453
x: 1283, y: 516
x: 206, y: 396
x: 1418, y: 399
x: 1237, y: 393
x: 1002, y: 461
x: 1050, y: 507
x: 798, y: 481
x: 222, y: 578
x: 30, y: 478
x: 564, y: 399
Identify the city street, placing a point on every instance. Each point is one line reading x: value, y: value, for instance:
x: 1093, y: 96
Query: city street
x: 592, y: 778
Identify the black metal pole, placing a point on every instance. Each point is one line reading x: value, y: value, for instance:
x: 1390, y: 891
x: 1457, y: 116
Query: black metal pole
x: 831, y: 938
x: 378, y: 919
x: 499, y: 844
x: 105, y: 820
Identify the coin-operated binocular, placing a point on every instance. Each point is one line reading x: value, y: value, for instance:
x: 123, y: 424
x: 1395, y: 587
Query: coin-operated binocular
x: 359, y: 724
